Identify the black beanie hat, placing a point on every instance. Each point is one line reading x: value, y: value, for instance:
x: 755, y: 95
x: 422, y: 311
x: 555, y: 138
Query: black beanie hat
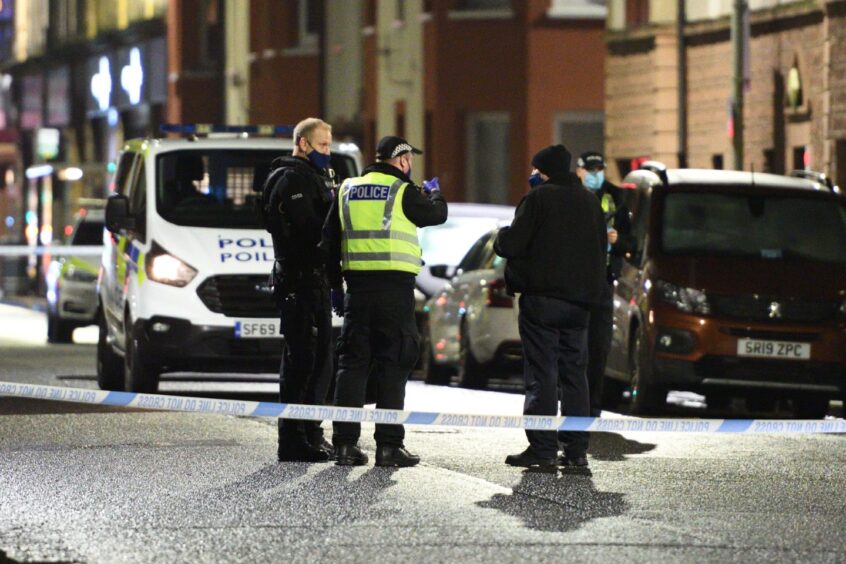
x: 553, y: 161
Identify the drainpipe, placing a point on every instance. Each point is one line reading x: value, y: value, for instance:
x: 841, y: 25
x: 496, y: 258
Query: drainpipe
x: 681, y: 20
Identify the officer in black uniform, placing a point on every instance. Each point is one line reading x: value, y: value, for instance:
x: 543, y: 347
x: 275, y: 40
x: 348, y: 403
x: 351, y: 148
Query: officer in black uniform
x: 590, y: 168
x: 296, y: 198
x: 371, y: 236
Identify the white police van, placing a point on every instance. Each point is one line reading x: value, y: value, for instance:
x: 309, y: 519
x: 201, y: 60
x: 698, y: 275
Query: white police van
x: 183, y: 284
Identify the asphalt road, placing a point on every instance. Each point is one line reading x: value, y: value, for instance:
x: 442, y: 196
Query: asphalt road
x: 95, y: 484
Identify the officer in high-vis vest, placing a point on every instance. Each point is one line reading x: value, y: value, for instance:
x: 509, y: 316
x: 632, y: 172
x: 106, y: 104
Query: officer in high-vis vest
x: 370, y: 237
x: 591, y: 169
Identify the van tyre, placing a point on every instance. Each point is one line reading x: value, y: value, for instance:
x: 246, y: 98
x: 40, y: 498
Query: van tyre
x: 110, y: 369
x: 471, y: 372
x: 647, y: 398
x: 140, y: 376
x: 58, y: 329
x: 433, y: 373
x: 810, y: 407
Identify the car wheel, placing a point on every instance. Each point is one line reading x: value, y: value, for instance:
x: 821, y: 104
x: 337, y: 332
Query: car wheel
x: 110, y: 370
x: 59, y: 330
x: 720, y: 401
x: 471, y: 373
x: 647, y: 398
x: 433, y: 373
x: 810, y: 408
x: 139, y: 376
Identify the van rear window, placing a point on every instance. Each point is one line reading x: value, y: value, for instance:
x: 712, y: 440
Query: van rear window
x: 218, y: 188
x: 772, y: 227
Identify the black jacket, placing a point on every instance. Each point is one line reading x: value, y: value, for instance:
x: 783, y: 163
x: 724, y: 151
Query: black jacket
x: 302, y: 192
x: 556, y: 245
x: 420, y: 209
x: 621, y: 221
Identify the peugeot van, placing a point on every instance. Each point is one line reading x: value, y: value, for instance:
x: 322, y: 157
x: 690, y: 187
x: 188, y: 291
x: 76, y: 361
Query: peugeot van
x: 737, y: 288
x: 183, y: 282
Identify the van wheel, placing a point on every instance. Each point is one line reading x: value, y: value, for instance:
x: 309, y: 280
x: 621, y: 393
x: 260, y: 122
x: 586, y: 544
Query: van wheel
x: 470, y: 371
x: 719, y: 401
x: 647, y: 398
x: 810, y: 408
x: 109, y: 364
x: 140, y: 376
x: 433, y: 373
x: 58, y: 329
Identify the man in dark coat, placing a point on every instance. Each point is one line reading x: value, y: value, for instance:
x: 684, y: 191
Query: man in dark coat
x: 556, y: 251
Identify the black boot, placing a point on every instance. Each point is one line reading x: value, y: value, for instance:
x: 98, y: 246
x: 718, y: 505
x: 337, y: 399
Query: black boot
x: 300, y: 451
x: 395, y: 456
x: 349, y: 455
x: 528, y: 459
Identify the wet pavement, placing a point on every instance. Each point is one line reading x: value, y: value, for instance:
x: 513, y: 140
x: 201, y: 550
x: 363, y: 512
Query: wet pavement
x: 98, y: 484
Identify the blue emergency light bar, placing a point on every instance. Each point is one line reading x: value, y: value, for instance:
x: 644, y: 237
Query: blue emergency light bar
x: 206, y: 128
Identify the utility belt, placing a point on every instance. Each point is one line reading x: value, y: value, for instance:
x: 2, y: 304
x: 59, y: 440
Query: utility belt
x: 286, y: 279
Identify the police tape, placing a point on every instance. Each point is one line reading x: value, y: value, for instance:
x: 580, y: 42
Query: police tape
x: 58, y: 251
x: 158, y: 402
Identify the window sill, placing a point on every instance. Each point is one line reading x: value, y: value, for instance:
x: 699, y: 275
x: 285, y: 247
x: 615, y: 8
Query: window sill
x: 480, y: 14
x: 577, y: 12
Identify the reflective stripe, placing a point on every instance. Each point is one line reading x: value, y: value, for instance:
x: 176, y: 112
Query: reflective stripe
x: 398, y: 257
x: 378, y: 234
x: 345, y: 206
x: 389, y: 205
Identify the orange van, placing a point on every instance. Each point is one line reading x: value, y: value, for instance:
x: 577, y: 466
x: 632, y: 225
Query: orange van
x: 737, y: 288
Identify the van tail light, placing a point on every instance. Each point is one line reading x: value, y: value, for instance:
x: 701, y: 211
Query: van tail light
x: 498, y: 295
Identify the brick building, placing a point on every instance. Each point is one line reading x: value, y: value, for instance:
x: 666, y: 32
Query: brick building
x: 795, y: 102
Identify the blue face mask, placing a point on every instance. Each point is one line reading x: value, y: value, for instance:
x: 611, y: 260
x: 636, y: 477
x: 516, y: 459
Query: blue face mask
x: 319, y: 159
x: 535, y: 179
x: 594, y: 180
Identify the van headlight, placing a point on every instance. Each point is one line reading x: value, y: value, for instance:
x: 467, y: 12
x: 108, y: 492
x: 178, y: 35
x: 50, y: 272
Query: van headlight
x: 686, y: 299
x: 163, y: 267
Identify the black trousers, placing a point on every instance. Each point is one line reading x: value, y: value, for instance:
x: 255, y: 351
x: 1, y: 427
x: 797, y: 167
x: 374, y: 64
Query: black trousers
x: 600, y: 330
x: 554, y: 336
x: 379, y: 340
x: 306, y: 371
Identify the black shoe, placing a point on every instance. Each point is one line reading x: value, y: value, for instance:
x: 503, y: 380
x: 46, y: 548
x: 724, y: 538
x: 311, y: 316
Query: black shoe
x: 325, y: 446
x: 578, y: 460
x: 350, y: 455
x: 395, y: 456
x: 528, y: 459
x: 300, y: 452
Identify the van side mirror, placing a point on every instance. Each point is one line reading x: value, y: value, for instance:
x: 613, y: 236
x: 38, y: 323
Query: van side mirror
x: 117, y: 213
x: 440, y: 271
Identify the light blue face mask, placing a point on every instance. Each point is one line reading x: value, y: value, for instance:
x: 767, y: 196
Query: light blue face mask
x: 594, y: 180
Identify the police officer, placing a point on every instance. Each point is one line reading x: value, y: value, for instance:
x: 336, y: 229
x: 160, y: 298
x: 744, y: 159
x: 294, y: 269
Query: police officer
x: 296, y: 198
x: 590, y: 168
x: 556, y: 249
x: 371, y: 238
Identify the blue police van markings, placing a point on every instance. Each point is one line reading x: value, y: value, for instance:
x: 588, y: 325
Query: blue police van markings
x: 245, y: 249
x: 391, y: 416
x: 368, y: 192
x: 238, y: 329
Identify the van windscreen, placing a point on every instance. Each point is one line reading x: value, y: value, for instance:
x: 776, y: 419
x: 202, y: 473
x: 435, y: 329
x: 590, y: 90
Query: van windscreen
x: 772, y: 227
x: 219, y: 187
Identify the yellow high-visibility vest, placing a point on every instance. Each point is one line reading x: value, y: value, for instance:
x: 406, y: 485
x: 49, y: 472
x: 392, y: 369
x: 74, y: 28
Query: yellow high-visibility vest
x: 376, y: 234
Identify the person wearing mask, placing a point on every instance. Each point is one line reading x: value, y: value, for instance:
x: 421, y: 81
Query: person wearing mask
x: 590, y: 168
x: 295, y: 200
x: 556, y: 253
x: 370, y: 237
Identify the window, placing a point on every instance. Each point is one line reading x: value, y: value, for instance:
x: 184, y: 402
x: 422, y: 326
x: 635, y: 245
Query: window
x: 582, y: 9
x: 473, y: 259
x: 488, y: 157
x: 801, y: 158
x: 309, y: 22
x: 580, y: 131
x: 124, y: 169
x: 717, y: 161
x: 772, y: 227
x: 138, y: 199
x: 481, y: 9
x: 637, y: 13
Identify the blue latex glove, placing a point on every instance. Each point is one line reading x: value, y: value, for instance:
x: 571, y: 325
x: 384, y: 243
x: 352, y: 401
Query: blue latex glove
x: 430, y: 186
x: 336, y: 297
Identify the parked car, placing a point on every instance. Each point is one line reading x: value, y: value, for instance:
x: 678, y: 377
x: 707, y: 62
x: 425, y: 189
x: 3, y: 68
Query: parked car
x: 72, y: 280
x: 472, y: 321
x: 737, y: 288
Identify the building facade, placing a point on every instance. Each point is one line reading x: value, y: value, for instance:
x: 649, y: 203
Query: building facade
x: 669, y: 86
